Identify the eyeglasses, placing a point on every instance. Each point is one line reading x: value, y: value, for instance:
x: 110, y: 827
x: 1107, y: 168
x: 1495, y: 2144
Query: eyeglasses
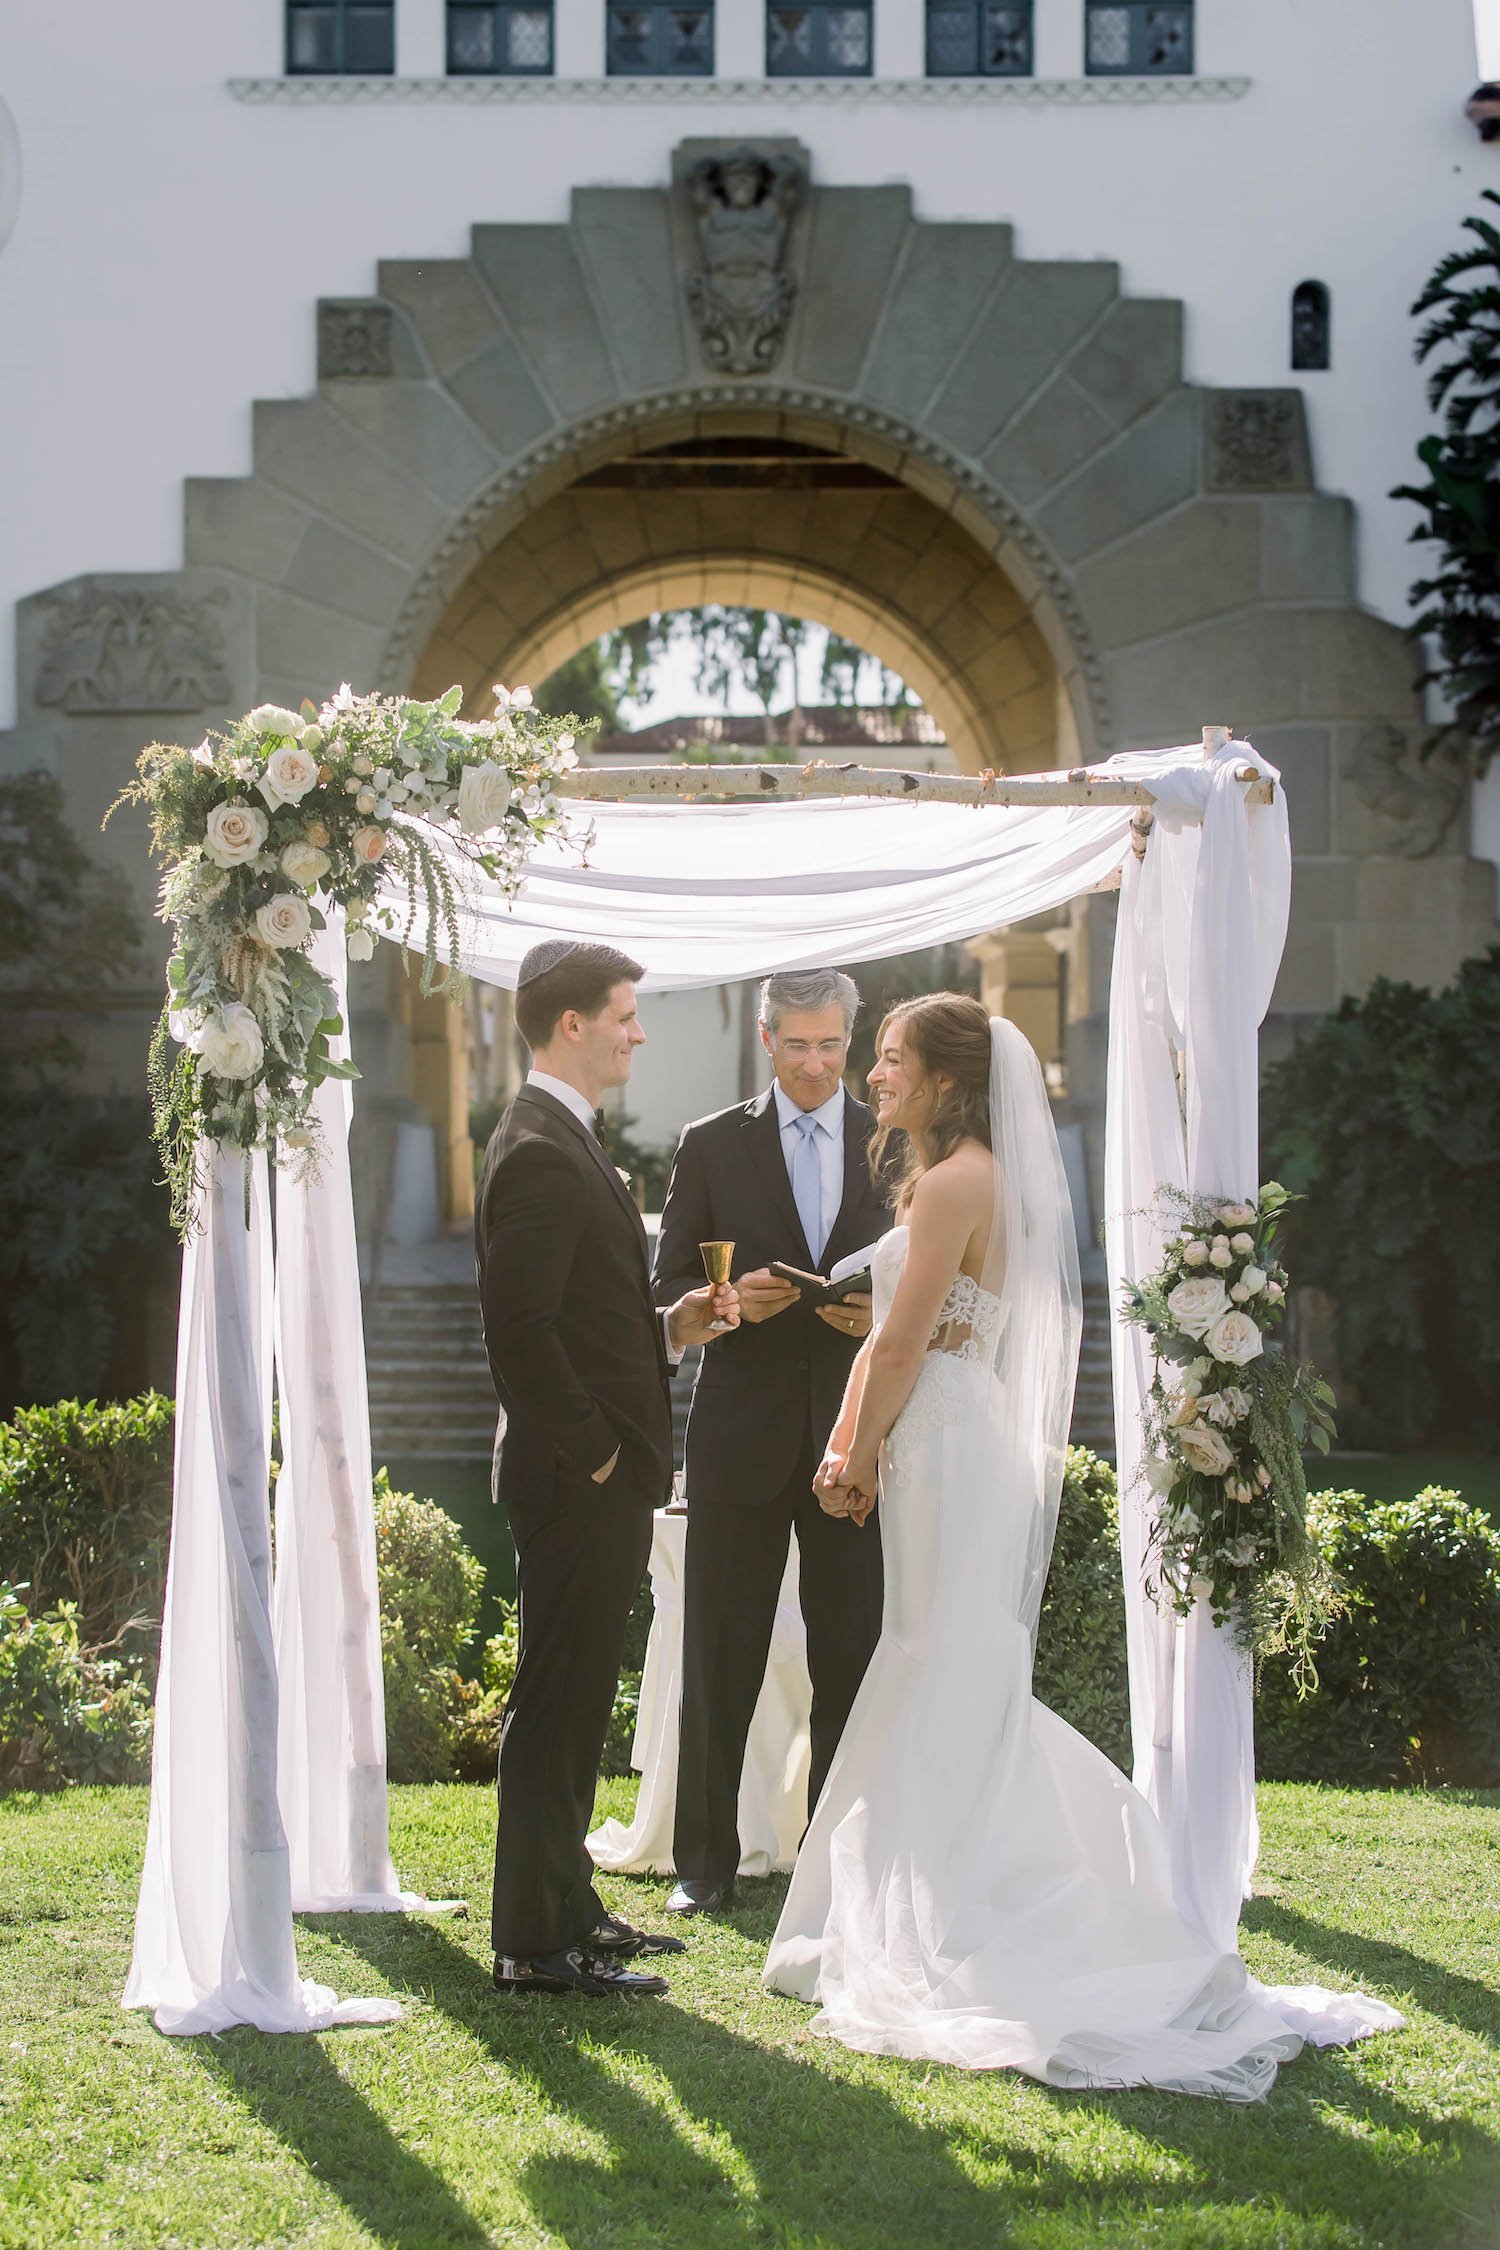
x: 826, y: 1050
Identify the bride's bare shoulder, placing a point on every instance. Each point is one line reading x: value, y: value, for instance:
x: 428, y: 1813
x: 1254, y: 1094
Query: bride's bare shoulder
x: 961, y: 1182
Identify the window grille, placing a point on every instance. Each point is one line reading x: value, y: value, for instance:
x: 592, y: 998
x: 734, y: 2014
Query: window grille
x: 340, y: 38
x: 1311, y: 327
x: 660, y: 42
x: 1138, y: 38
x: 977, y: 39
x: 820, y: 40
x: 493, y: 39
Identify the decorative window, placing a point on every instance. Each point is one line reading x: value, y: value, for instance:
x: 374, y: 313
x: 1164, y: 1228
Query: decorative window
x: 351, y: 38
x: 660, y: 42
x: 1138, y: 39
x: 821, y: 40
x: 1311, y: 326
x: 977, y: 39
x: 494, y: 39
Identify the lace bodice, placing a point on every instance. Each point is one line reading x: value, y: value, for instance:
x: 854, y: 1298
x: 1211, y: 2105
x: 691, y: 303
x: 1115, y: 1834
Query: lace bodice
x: 971, y: 1318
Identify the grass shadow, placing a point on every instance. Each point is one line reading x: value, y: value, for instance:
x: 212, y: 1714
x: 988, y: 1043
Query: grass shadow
x: 1459, y: 2000
x: 294, y: 2087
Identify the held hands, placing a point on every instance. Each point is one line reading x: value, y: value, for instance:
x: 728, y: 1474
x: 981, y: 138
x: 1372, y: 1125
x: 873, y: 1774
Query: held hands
x: 844, y: 1485
x: 854, y: 1317
x: 702, y: 1314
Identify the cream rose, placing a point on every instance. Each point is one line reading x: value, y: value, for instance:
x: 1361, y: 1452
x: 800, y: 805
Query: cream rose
x: 1236, y: 1214
x: 360, y: 945
x: 367, y: 844
x: 1204, y: 1450
x: 483, y: 796
x: 1195, y: 1253
x: 235, y: 834
x: 1221, y: 1255
x: 229, y: 1044
x: 275, y: 719
x: 1234, y: 1339
x: 1196, y: 1305
x: 305, y: 864
x: 290, y: 772
x: 1242, y: 1244
x: 284, y: 920
x: 1184, y: 1409
x: 1253, y: 1279
x: 1226, y: 1407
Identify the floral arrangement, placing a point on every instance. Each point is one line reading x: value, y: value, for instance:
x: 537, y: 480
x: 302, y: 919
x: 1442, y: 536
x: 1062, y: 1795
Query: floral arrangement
x: 289, y: 808
x: 1226, y: 1420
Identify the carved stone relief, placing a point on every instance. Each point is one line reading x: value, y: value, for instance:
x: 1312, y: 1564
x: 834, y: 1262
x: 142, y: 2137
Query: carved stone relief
x: 1257, y: 442
x: 1420, y: 798
x: 354, y: 339
x: 105, y: 649
x: 741, y: 297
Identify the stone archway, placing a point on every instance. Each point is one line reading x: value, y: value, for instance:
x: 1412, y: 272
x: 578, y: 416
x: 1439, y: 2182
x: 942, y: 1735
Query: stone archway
x: 1067, y: 543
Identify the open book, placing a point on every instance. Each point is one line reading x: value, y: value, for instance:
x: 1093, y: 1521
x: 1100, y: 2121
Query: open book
x: 849, y: 1278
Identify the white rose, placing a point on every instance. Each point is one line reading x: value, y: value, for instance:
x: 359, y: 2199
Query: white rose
x: 1221, y: 1255
x: 305, y: 864
x: 1236, y: 1214
x: 1240, y: 1294
x: 1275, y: 1292
x: 520, y: 699
x: 1242, y: 1244
x: 1234, y: 1339
x: 235, y: 834
x: 1252, y: 1279
x: 360, y: 945
x: 1195, y: 1254
x: 1196, y: 1305
x: 229, y: 1044
x: 359, y: 763
x: 1204, y: 1450
x: 274, y: 719
x: 367, y: 844
x: 1184, y: 1409
x: 290, y: 772
x: 1226, y: 1407
x: 483, y: 796
x: 284, y: 920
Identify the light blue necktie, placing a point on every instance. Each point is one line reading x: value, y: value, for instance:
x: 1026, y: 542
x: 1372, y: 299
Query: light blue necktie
x: 807, y: 1183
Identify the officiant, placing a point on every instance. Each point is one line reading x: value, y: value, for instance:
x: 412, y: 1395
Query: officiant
x: 785, y: 1178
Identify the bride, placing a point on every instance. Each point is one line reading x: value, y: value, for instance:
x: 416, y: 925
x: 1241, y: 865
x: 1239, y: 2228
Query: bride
x: 979, y: 1885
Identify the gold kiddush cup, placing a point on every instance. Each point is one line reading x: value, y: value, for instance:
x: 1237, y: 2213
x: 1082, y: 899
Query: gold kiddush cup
x: 717, y: 1258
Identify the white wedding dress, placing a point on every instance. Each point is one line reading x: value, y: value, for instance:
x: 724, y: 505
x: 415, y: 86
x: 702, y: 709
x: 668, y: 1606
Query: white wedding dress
x: 979, y: 1885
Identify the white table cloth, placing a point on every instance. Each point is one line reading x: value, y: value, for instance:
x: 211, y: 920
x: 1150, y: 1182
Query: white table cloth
x: 773, y: 1786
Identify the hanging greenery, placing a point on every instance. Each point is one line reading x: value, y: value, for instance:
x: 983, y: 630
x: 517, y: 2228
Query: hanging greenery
x: 1459, y: 603
x: 255, y: 826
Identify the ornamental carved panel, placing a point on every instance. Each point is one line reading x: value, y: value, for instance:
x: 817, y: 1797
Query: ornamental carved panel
x: 741, y: 296
x: 1256, y: 442
x: 106, y: 650
x: 354, y: 339
x: 1419, y: 797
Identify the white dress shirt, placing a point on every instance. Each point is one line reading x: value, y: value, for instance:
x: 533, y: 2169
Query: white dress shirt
x: 829, y: 1143
x: 583, y: 1110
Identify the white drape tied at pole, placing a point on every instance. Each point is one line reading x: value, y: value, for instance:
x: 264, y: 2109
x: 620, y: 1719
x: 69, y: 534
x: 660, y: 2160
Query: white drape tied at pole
x: 213, y: 1933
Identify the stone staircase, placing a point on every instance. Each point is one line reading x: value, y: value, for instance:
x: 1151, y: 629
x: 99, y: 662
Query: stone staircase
x: 431, y: 1396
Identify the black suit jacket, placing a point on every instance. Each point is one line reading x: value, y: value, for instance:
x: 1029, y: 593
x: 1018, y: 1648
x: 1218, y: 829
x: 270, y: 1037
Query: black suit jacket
x: 758, y: 1386
x: 574, y: 1341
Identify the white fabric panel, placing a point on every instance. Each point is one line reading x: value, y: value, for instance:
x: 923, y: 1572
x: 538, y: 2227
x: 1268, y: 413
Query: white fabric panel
x: 708, y: 894
x: 213, y: 1934
x: 773, y: 1785
x: 326, y: 1604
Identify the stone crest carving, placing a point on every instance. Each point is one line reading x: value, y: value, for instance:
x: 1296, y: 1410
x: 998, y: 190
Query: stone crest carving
x: 107, y: 649
x: 1256, y: 442
x: 354, y: 339
x: 741, y: 297
x: 1421, y: 796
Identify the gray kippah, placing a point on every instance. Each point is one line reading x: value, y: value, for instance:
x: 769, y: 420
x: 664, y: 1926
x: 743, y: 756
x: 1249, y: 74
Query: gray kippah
x: 543, y: 957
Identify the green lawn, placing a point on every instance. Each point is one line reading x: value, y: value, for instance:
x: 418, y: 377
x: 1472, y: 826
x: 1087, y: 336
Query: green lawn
x: 712, y: 2120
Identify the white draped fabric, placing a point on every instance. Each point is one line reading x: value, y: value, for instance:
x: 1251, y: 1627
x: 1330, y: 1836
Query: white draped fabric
x: 702, y: 895
x: 213, y: 1932
x: 326, y: 1604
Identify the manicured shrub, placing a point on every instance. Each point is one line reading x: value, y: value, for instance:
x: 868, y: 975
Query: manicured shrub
x: 86, y: 1512
x: 430, y: 1587
x: 65, y: 1715
x: 1409, y: 1677
x: 1080, y: 1658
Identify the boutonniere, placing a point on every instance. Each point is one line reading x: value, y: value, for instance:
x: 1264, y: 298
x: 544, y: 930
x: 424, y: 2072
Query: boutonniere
x: 622, y: 1175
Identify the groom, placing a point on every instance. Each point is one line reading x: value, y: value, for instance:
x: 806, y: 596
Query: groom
x: 580, y: 1360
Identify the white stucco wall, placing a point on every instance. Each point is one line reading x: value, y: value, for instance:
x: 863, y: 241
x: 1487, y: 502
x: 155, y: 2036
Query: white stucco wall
x: 169, y: 240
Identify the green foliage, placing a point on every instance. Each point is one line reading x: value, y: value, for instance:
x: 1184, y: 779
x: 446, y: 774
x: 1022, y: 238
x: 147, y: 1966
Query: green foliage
x: 66, y: 1716
x: 430, y: 1587
x: 1080, y: 1658
x: 1459, y: 604
x: 1409, y: 1676
x: 86, y: 1510
x: 883, y: 985
x: 756, y: 652
x: 1387, y: 1119
x: 585, y: 688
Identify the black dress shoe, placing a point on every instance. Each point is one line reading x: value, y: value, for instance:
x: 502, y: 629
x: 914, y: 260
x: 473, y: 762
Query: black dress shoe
x: 576, y: 1969
x: 693, y: 1897
x: 619, y: 1942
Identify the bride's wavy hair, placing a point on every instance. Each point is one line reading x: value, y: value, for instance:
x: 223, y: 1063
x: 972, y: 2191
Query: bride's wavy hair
x: 949, y: 1035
